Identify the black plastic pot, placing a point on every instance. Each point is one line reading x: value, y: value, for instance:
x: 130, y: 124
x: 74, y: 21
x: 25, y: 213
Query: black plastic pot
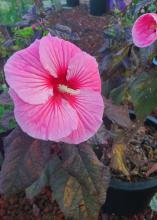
x: 150, y: 120
x: 124, y: 198
x: 98, y: 7
x: 72, y: 3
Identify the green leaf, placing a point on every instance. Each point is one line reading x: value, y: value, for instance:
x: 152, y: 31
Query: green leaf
x: 41, y: 182
x: 119, y: 56
x: 26, y: 32
x: 143, y: 92
x: 118, y: 94
x: 25, y: 159
x: 79, y: 182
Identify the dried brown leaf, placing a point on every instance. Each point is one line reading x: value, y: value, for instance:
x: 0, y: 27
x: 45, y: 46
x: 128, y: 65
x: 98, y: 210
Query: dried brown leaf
x: 118, y: 159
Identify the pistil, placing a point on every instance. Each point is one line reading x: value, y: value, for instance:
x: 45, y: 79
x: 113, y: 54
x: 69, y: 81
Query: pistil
x: 66, y: 89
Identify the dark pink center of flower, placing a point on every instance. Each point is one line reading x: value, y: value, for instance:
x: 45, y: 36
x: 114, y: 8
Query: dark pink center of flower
x: 153, y: 27
x: 62, y: 87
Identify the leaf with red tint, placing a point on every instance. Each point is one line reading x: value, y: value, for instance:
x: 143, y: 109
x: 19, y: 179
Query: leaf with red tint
x: 24, y: 161
x: 117, y: 114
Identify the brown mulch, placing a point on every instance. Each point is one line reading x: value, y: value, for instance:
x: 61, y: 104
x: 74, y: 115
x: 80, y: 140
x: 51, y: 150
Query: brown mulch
x: 90, y: 30
x: 43, y: 208
x: 20, y: 208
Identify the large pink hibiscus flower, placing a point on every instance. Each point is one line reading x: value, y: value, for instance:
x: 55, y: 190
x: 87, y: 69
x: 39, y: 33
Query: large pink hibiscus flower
x: 56, y: 91
x: 144, y: 31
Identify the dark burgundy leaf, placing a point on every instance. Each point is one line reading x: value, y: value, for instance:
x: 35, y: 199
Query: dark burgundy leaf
x: 117, y: 114
x: 79, y: 182
x: 24, y: 161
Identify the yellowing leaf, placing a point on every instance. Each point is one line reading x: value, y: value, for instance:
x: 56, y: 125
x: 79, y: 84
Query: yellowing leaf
x: 118, y: 162
x: 69, y: 194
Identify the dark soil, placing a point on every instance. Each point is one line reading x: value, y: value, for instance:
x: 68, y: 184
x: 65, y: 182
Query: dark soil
x: 41, y: 208
x: 140, y: 156
x: 89, y: 28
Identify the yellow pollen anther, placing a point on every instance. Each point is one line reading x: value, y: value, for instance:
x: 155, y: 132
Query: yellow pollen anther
x: 66, y: 89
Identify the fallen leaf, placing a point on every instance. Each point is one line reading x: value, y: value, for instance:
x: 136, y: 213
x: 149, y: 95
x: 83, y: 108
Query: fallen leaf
x: 118, y: 162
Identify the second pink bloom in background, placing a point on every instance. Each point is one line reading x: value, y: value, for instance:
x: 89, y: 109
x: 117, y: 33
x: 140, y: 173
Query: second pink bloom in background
x: 144, y: 31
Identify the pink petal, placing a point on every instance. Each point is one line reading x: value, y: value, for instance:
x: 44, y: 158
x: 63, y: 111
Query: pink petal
x: 55, y: 54
x: 89, y: 106
x: 25, y: 74
x: 53, y: 120
x: 83, y: 69
x: 144, y: 31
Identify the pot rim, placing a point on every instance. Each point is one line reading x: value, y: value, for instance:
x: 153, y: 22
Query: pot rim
x: 133, y: 186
